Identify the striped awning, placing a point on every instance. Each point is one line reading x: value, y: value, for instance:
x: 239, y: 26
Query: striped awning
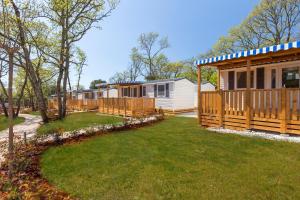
x: 264, y: 50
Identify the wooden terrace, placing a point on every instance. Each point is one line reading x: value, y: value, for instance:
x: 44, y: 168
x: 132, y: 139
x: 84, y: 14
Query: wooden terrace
x: 274, y: 109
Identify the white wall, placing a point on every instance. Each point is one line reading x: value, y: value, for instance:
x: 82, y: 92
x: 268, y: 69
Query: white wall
x: 113, y: 93
x: 166, y: 103
x: 268, y: 68
x: 184, y: 94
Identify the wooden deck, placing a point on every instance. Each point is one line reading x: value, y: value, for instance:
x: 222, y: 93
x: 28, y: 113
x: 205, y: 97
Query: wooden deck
x: 116, y: 106
x: 276, y: 110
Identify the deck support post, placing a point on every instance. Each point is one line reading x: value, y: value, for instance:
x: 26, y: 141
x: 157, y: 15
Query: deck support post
x: 248, y: 97
x: 220, y: 107
x: 220, y: 99
x: 107, y: 97
x: 199, y: 95
x: 283, y: 117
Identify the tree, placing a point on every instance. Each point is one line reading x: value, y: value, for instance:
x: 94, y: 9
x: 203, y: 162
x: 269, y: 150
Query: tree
x: 150, y: 53
x: 95, y: 82
x: 72, y: 18
x: 134, y: 70
x: 23, y: 30
x: 79, y: 65
x: 271, y: 22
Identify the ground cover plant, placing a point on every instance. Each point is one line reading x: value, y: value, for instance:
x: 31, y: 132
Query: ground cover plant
x: 4, y: 122
x: 77, y: 121
x: 175, y: 159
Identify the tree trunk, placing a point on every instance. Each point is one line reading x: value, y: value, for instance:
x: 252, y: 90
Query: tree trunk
x: 2, y: 103
x: 10, y: 114
x: 36, y: 84
x: 16, y: 114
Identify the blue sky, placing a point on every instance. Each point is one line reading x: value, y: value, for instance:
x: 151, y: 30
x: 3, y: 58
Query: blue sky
x: 192, y: 27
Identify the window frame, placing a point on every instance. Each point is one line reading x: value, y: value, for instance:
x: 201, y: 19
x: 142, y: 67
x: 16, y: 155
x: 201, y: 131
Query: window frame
x: 164, y: 90
x: 287, y: 68
x: 144, y: 91
x: 252, y: 81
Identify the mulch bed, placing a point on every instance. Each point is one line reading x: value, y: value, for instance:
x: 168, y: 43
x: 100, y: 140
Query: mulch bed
x: 27, y: 181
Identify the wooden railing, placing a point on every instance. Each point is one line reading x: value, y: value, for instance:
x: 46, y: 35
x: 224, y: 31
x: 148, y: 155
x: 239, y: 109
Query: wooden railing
x: 275, y: 110
x: 73, y: 104
x: 127, y: 106
x: 116, y: 106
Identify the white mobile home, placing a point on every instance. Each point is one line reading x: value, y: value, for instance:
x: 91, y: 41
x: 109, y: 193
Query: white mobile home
x: 174, y: 95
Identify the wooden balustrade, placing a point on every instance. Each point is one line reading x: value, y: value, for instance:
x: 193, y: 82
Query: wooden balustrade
x: 115, y: 106
x: 275, y: 110
x: 127, y: 106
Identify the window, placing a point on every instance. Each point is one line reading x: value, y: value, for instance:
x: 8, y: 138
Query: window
x: 167, y: 90
x: 161, y: 90
x: 260, y: 78
x: 231, y: 80
x: 273, y: 78
x: 242, y: 80
x: 144, y: 91
x: 126, y: 92
x: 290, y: 77
x: 134, y: 92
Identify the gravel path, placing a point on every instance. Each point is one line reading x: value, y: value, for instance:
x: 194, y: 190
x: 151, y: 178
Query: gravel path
x: 30, y: 125
x: 260, y: 134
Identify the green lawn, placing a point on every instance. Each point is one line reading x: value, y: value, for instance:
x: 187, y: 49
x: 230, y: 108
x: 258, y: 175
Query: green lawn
x: 77, y: 121
x: 175, y: 159
x: 4, y: 122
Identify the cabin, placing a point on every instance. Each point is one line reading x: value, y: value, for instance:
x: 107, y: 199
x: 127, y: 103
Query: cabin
x: 257, y: 89
x: 93, y: 94
x: 175, y: 95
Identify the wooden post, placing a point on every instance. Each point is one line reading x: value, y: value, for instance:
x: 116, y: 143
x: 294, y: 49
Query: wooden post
x: 124, y: 107
x: 118, y: 106
x: 219, y: 79
x: 283, y: 117
x: 199, y: 95
x: 107, y: 96
x: 248, y: 96
x: 220, y: 108
x: 220, y: 99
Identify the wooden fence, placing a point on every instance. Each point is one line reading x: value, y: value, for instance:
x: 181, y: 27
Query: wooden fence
x: 115, y: 106
x: 127, y: 106
x: 275, y: 110
x: 75, y: 105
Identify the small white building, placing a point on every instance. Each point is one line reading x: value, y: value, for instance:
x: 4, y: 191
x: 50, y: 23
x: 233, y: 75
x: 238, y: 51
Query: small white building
x: 94, y: 94
x: 174, y: 95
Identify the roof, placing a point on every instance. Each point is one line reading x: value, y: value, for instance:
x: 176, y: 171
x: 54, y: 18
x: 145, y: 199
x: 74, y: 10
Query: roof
x: 164, y: 80
x: 85, y: 91
x: 247, y: 53
x: 127, y: 83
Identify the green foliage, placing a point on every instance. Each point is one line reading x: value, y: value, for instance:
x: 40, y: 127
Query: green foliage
x: 4, y: 122
x: 95, y: 82
x: 175, y: 159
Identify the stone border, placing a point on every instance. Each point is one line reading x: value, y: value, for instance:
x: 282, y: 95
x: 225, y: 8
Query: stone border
x: 258, y: 134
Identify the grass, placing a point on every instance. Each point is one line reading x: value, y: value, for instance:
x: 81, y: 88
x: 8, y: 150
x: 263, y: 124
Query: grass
x: 4, y: 122
x: 175, y: 159
x: 77, y: 121
x: 36, y: 113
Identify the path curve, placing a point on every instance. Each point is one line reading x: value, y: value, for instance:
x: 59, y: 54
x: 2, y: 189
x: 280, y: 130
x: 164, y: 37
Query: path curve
x: 30, y: 126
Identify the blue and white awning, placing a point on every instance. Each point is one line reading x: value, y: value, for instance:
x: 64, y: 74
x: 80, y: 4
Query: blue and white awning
x: 264, y: 50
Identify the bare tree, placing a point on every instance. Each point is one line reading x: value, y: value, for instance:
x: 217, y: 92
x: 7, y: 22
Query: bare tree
x: 79, y: 65
x: 150, y: 52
